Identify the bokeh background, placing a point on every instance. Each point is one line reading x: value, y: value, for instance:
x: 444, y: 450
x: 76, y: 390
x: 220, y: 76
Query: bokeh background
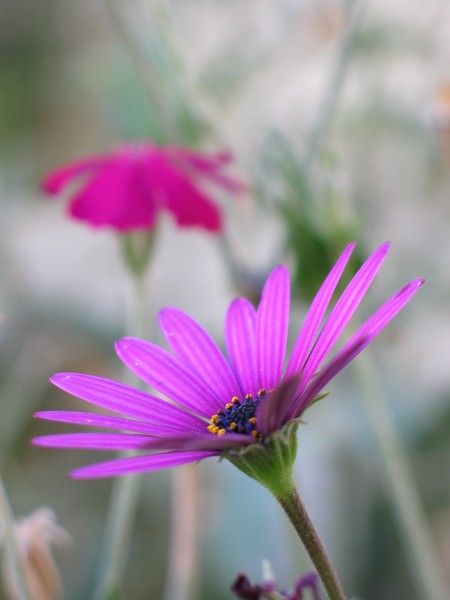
x: 337, y: 113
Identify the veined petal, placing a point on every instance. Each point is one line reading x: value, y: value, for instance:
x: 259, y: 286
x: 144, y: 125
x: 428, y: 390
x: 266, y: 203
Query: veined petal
x: 316, y: 313
x: 240, y: 342
x: 359, y: 340
x: 58, y: 179
x: 195, y: 347
x: 343, y: 311
x: 125, y: 400
x: 272, y: 320
x: 274, y: 408
x: 206, y: 441
x: 138, y: 464
x: 106, y: 421
x: 93, y: 441
x: 168, y: 375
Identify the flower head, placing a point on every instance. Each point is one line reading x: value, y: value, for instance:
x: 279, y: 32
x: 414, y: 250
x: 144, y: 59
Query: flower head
x: 127, y: 189
x: 218, y: 405
x: 242, y: 588
x: 34, y: 536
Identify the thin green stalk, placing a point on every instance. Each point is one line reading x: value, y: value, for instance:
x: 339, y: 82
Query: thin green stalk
x: 296, y: 511
x: 6, y: 523
x: 185, y: 520
x: 125, y: 490
x: 332, y: 91
x: 401, y: 488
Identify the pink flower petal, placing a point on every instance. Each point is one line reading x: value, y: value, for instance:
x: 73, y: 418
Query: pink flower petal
x: 60, y: 178
x: 138, y: 464
x: 169, y: 376
x: 274, y: 408
x: 180, y: 196
x: 343, y: 311
x: 125, y: 400
x: 209, y: 166
x: 106, y: 421
x: 272, y: 320
x: 93, y: 441
x: 241, y: 344
x: 316, y: 313
x: 196, y: 349
x: 117, y: 197
x: 365, y: 334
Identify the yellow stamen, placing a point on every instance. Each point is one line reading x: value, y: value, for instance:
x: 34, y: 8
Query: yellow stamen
x: 221, y: 431
x: 252, y: 420
x: 233, y: 426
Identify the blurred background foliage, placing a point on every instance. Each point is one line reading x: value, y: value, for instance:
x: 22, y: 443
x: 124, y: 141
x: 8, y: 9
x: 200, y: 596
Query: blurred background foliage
x: 271, y: 82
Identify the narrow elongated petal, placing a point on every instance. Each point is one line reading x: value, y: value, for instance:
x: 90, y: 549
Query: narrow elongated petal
x: 273, y: 410
x: 209, y: 166
x: 316, y: 313
x: 365, y: 334
x: 94, y: 441
x: 193, y: 346
x: 207, y: 441
x: 272, y: 328
x: 138, y: 464
x: 58, y: 179
x: 124, y: 399
x: 108, y: 422
x: 240, y: 341
x: 344, y: 310
x: 168, y: 375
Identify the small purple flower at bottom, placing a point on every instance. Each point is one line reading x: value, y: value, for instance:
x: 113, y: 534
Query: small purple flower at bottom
x: 128, y: 188
x: 245, y: 407
x: 242, y: 588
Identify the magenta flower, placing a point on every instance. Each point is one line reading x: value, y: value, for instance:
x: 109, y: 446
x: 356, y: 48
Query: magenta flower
x: 216, y: 404
x: 127, y: 189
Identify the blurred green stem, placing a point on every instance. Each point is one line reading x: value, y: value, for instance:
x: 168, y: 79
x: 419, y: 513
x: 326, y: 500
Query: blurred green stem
x: 185, y: 521
x: 401, y: 487
x: 125, y: 490
x: 334, y: 85
x: 7, y: 536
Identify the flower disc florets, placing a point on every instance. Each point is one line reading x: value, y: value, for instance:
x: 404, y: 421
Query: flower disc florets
x: 238, y: 416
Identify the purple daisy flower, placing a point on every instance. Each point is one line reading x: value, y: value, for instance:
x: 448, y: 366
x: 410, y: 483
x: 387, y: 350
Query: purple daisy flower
x: 217, y: 404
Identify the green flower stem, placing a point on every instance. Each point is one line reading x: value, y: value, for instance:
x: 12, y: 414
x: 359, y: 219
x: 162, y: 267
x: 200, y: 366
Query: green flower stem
x: 271, y: 465
x: 401, y: 488
x: 296, y: 511
x: 185, y: 523
x: 125, y: 490
x: 7, y: 535
x: 116, y: 540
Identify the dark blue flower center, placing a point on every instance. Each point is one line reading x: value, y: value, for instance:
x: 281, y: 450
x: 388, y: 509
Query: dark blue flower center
x: 238, y: 416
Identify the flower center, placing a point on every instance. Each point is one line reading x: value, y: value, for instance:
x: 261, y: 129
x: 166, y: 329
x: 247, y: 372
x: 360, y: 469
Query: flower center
x: 238, y: 416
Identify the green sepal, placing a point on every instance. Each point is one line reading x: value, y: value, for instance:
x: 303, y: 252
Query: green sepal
x: 136, y: 250
x: 271, y: 462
